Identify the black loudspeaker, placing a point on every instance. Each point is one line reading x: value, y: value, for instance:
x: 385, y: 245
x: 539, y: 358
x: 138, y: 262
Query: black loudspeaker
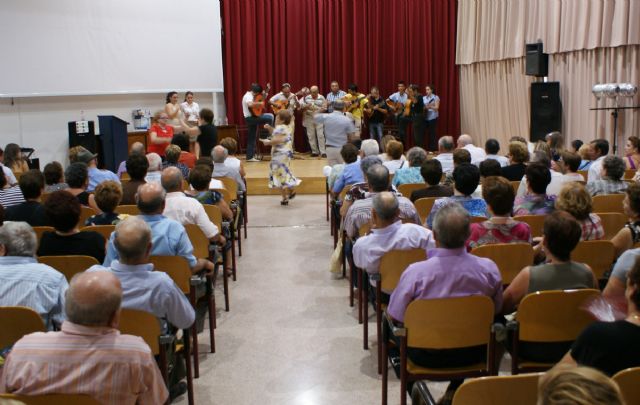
x: 82, y: 133
x: 537, y: 62
x: 546, y: 109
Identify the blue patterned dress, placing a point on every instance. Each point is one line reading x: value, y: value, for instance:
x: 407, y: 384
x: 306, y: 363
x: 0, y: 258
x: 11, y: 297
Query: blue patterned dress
x: 281, y: 155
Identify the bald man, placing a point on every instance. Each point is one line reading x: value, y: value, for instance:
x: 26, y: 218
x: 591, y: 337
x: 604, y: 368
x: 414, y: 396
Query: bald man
x: 477, y: 154
x: 88, y: 356
x: 313, y: 104
x: 219, y: 154
x: 137, y: 148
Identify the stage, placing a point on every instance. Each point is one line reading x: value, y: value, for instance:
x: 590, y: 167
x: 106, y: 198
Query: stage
x: 304, y: 167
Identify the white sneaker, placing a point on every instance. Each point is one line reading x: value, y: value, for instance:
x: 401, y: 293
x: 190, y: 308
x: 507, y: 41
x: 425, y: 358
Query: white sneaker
x: 253, y: 159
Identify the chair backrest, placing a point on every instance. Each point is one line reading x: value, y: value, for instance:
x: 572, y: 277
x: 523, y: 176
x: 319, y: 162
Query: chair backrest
x: 612, y: 222
x: 554, y: 316
x: 15, y: 322
x: 128, y: 209
x: 44, y: 197
x: 40, y: 230
x: 628, y: 381
x: 424, y: 206
x: 394, y: 262
x: 344, y: 192
x: 51, y: 399
x: 214, y: 214
x: 509, y: 257
x: 584, y: 173
x: 176, y: 267
x: 449, y: 323
x: 85, y: 213
x: 143, y: 324
x: 364, y: 229
x: 499, y: 390
x: 629, y: 173
x: 535, y: 222
x: 230, y: 185
x: 104, y: 230
x: 608, y: 203
x: 198, y: 240
x: 516, y: 185
x: 408, y: 188
x: 226, y: 195
x: 69, y: 265
x: 598, y: 254
x: 477, y: 220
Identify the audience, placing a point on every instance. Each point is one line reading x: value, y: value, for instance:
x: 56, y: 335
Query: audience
x: 445, y: 153
x: 555, y: 142
x: 557, y: 178
x: 30, y: 211
x: 617, y: 282
x: 612, y: 346
x: 63, y: 211
x: 199, y: 180
x: 11, y: 179
x: 575, y: 199
x: 466, y: 178
x: 137, y: 148
x: 9, y: 195
x: 369, y: 147
x: 598, y: 150
x: 108, y: 196
x: 395, y: 152
x: 477, y: 154
x: 186, y: 157
x: 96, y: 176
x: 232, y: 161
x: 561, y: 236
x: 492, y: 147
x: 89, y: 355
x: 172, y: 155
x: 518, y: 156
x: 54, y: 177
x: 219, y: 154
x: 416, y: 156
x: 630, y: 234
x: 565, y: 385
x: 214, y: 184
x: 77, y: 177
x: 155, y: 168
x: 460, y: 156
x: 488, y: 168
x: 384, y: 156
x: 611, y: 175
x: 536, y: 201
x: 349, y: 153
x: 568, y: 164
x: 351, y: 172
x: 431, y: 172
x: 361, y: 190
x: 25, y: 282
x: 137, y: 166
x: 575, y: 146
x: 14, y: 160
x: 632, y: 153
x: 500, y: 227
x: 585, y: 155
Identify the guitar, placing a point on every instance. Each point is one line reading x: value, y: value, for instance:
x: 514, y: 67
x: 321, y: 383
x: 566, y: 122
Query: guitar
x: 395, y: 107
x: 261, y: 98
x: 279, y: 105
x: 373, y: 107
x: 352, y: 105
x: 407, y: 106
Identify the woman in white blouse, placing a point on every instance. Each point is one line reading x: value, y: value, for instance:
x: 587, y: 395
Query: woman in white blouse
x: 190, y: 109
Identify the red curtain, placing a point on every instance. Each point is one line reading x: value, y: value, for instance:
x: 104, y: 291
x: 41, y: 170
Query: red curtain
x: 367, y: 42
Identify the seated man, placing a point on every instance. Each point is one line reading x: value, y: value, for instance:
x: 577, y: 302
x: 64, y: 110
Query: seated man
x: 351, y: 173
x: 88, y: 356
x: 219, y: 154
x: 31, y: 211
x: 431, y: 172
x: 349, y: 153
x: 169, y: 238
x: 96, y: 176
x: 477, y: 154
x: 137, y: 167
x: 611, y: 178
x: 137, y: 148
x: 359, y: 190
x: 492, y: 147
x: 25, y: 282
x: 445, y: 153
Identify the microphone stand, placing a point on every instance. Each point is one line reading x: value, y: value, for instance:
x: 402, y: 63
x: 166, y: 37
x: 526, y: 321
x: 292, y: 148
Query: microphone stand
x: 614, y: 114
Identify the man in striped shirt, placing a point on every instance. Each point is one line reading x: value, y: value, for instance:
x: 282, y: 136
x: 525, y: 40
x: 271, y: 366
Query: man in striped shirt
x: 88, y: 356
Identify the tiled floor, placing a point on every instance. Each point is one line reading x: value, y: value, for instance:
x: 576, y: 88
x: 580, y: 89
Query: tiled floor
x: 290, y: 337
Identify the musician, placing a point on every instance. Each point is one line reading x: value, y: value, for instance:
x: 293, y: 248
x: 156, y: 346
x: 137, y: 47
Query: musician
x: 377, y: 110
x: 287, y: 100
x: 399, y: 98
x: 335, y: 95
x: 355, y: 106
x: 431, y: 106
x: 254, y: 121
x: 415, y: 114
x: 312, y: 104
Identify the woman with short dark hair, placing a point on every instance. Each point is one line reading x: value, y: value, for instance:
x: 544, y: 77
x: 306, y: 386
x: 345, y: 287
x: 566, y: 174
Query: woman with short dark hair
x: 536, y: 201
x: 77, y: 176
x: 54, y: 177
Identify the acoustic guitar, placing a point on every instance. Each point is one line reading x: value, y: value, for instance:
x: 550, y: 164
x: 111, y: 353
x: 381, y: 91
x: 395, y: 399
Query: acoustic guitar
x: 279, y: 105
x: 352, y: 104
x: 407, y: 106
x: 258, y: 110
x: 373, y: 107
x: 395, y: 107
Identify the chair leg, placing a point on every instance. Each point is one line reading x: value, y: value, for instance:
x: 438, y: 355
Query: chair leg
x: 403, y: 372
x: 194, y: 331
x: 239, y: 238
x: 358, y: 291
x: 212, y: 320
x: 365, y: 325
x: 385, y: 369
x: 225, y: 280
x: 245, y: 217
x: 233, y: 253
x: 379, y: 332
x: 187, y: 361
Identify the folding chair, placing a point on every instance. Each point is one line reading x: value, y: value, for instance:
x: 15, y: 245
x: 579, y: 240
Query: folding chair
x: 438, y: 324
x: 215, y: 216
x: 598, y: 254
x: 629, y: 173
x: 424, y: 206
x: 585, y: 174
x: 612, y: 222
x: 608, y: 203
x: 128, y: 209
x: 548, y: 317
x: 477, y: 220
x: 147, y: 326
x: 52, y: 399
x: 69, y: 265
x: 408, y: 188
x: 362, y: 231
x: 40, y: 230
x: 85, y: 213
x: 535, y: 222
x: 515, y: 185
x: 226, y: 195
x: 499, y: 390
x: 15, y: 322
x: 628, y: 380
x: 509, y: 257
x: 239, y: 196
x: 104, y: 230
x: 335, y: 214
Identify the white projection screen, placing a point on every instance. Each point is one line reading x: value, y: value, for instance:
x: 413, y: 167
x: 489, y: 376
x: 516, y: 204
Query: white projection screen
x: 85, y: 47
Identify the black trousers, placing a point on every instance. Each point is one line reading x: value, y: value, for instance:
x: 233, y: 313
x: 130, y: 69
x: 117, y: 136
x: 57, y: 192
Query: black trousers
x: 253, y: 124
x: 430, y: 127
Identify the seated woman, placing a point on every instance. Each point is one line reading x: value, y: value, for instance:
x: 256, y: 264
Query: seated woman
x: 199, y: 178
x: 431, y: 172
x: 612, y: 346
x: 536, y: 201
x: 632, y: 153
x: 395, y: 152
x: 63, y: 211
x: 611, y: 181
x: 108, y: 195
x: 585, y: 154
x: 54, y: 177
x: 13, y: 160
x: 9, y: 195
x: 575, y: 199
x: 630, y: 234
x: 500, y: 228
x: 568, y: 165
x: 186, y: 157
x: 232, y: 161
x: 172, y: 155
x: 137, y: 167
x: 77, y: 176
x: 518, y: 156
x: 566, y: 384
x: 384, y: 156
x: 466, y: 178
x: 410, y: 173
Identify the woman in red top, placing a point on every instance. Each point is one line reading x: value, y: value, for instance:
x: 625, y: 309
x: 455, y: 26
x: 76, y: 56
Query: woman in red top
x: 160, y: 134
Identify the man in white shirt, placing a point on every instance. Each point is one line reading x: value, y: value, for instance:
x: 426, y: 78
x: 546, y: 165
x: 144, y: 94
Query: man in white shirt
x: 286, y: 100
x: 445, y: 153
x: 492, y: 147
x: 313, y: 104
x: 219, y: 154
x: 477, y: 154
x: 254, y: 121
x: 599, y: 149
x: 557, y: 178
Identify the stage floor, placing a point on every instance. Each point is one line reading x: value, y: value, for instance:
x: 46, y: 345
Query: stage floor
x: 304, y: 167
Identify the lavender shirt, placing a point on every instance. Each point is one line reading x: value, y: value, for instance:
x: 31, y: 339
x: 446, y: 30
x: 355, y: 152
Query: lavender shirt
x: 447, y: 273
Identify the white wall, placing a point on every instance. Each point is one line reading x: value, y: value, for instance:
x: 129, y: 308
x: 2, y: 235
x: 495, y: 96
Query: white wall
x: 41, y: 122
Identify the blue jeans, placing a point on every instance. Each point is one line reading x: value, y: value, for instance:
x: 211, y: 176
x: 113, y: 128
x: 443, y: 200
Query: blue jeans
x: 253, y: 124
x: 375, y: 131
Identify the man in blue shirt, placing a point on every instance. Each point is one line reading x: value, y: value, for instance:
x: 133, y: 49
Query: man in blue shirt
x: 96, y: 176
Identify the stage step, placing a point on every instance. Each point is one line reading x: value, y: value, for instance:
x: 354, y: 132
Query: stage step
x: 309, y: 170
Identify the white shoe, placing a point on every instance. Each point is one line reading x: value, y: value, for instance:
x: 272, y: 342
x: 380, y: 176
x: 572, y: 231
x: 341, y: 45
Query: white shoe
x: 253, y: 159
x: 336, y: 276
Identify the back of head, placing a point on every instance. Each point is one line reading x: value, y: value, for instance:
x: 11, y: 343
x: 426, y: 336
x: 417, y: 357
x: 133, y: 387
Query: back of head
x: 386, y: 206
x: 633, y: 195
x: 385, y: 141
x: 571, y: 161
x: 31, y: 184
x: 63, y: 210
x: 445, y: 144
x: 464, y: 140
x: 431, y: 171
x: 370, y: 147
x: 368, y: 162
x: 137, y: 166
x: 76, y: 175
x: 543, y: 147
x: 614, y: 167
x: 219, y: 154
x: 601, y: 146
x: 378, y: 178
x: 585, y: 151
x: 490, y: 167
x: 538, y: 177
x: 556, y: 141
x: 561, y: 233
x: 492, y: 146
x: 518, y: 139
x: 285, y: 117
x: 155, y: 162
x: 12, y: 154
x: 200, y: 177
x: 576, y: 144
x: 206, y: 161
x: 575, y: 199
x: 338, y: 106
x: 172, y: 154
x: 137, y: 148
x: 230, y: 145
x: 93, y: 299
x: 466, y: 177
x: 150, y: 198
x: 542, y: 158
x: 568, y: 385
x: 499, y: 195
x: 416, y: 156
x: 132, y: 238
x: 519, y: 152
x: 182, y: 141
x: 349, y: 153
x: 18, y: 239
x: 53, y: 173
x: 206, y: 115
x: 108, y: 195
x: 461, y: 156
x: 451, y: 226
x: 171, y: 179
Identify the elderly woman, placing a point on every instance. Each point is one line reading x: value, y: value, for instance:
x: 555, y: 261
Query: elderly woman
x: 232, y: 161
x: 536, y: 201
x: 466, y: 178
x: 518, y: 156
x: 77, y: 176
x: 108, y: 195
x: 154, y: 171
x: 630, y: 234
x: 199, y: 178
x: 416, y: 156
x: 173, y: 156
x: 611, y: 182
x: 575, y: 199
x: 395, y: 151
x: 632, y: 153
x: 500, y: 228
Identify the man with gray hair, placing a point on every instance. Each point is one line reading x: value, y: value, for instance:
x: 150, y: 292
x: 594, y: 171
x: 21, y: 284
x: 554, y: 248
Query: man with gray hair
x: 611, y: 182
x: 155, y: 167
x: 219, y: 154
x: 338, y: 130
x: 369, y: 147
x: 445, y: 153
x: 25, y: 282
x: 313, y: 104
x: 88, y: 356
x: 416, y: 156
x: 477, y: 154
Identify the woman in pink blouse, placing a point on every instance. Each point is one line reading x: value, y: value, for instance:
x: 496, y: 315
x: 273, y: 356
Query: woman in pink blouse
x: 576, y: 200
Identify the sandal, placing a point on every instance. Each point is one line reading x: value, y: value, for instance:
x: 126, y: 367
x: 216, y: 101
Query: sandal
x: 284, y: 202
x: 292, y: 195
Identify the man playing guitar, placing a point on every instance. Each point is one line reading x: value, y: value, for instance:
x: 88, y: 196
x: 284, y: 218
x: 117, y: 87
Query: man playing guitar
x: 313, y: 104
x: 396, y: 103
x: 376, y: 110
x: 355, y: 102
x: 253, y: 108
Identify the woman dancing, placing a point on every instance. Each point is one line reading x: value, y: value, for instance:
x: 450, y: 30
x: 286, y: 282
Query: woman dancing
x: 281, y: 142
